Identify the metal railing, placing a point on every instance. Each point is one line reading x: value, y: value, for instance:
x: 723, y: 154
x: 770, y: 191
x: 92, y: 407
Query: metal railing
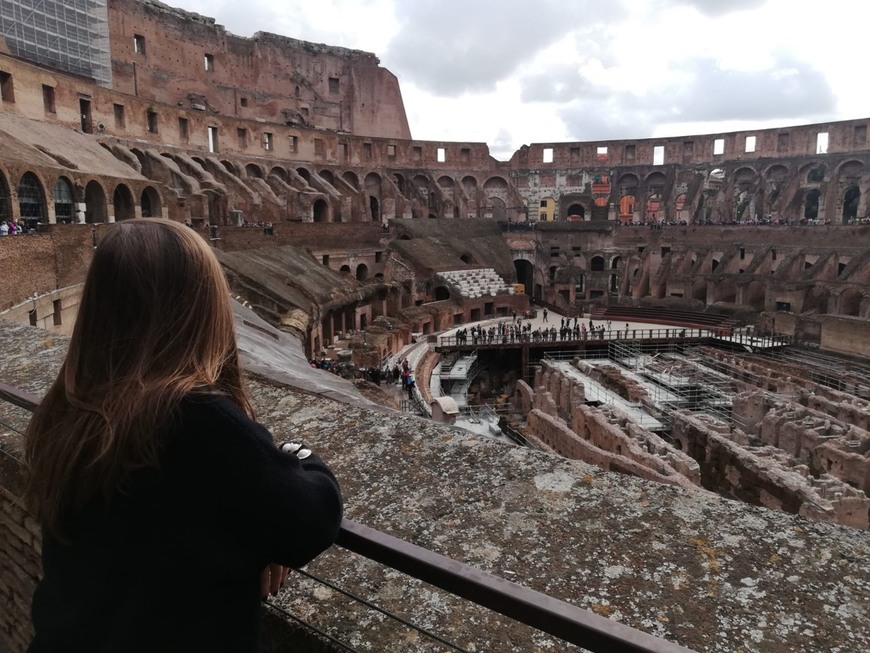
x: 545, y: 613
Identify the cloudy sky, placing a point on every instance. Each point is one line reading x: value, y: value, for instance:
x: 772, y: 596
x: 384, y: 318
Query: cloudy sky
x: 509, y: 72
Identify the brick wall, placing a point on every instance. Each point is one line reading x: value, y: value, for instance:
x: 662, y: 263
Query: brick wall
x: 20, y: 569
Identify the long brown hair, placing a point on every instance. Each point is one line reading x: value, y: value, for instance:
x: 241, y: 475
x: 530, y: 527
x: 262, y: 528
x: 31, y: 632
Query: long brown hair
x: 154, y: 324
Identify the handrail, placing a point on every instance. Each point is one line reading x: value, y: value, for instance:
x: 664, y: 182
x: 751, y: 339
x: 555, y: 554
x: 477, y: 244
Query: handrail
x: 550, y: 615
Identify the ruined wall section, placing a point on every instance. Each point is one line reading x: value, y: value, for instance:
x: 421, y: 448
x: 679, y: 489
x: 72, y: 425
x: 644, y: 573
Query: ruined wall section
x: 560, y: 421
x: 174, y: 57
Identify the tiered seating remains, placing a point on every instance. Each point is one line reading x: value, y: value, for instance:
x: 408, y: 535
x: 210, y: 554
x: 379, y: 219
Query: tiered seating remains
x: 472, y: 284
x: 694, y: 319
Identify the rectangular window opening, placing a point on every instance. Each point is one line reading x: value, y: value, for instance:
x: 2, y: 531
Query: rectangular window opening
x: 7, y: 92
x: 547, y: 156
x: 334, y: 85
x: 417, y: 152
x: 48, y: 98
x: 718, y: 146
x: 120, y: 117
x: 138, y: 44
x: 630, y: 152
x: 243, y: 138
x: 782, y: 142
x: 208, y: 61
x: 342, y: 148
x: 294, y: 144
x: 441, y: 154
x: 822, y: 143
x: 367, y: 151
x: 318, y: 148
x: 465, y: 155
x: 391, y: 151
x: 183, y: 130
x: 243, y: 101
x: 212, y: 139
x: 268, y: 141
x: 57, y: 310
x: 659, y: 155
x: 860, y: 135
x: 601, y: 151
x: 151, y: 118
x: 750, y: 144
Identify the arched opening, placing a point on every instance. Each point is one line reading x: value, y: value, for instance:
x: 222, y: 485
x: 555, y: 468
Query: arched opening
x: 328, y: 177
x: 614, y: 264
x: 344, y: 269
x: 576, y: 213
x: 375, y: 208
x: 351, y: 179
x: 400, y: 183
x: 31, y: 199
x: 525, y: 274
x: 279, y: 172
x: 253, y: 171
x: 850, y: 302
x: 850, y: 204
x: 811, y: 204
x: 95, y: 203
x: 150, y: 202
x: 467, y: 258
x: 597, y: 264
x: 626, y: 209
x: 64, y: 211
x: 614, y: 281
x: 816, y: 175
x: 122, y: 201
x: 5, y: 209
x: 441, y: 293
x: 321, y: 211
x: 303, y: 172
x: 654, y: 211
x: 362, y: 272
x: 497, y: 209
x: 373, y: 190
x: 230, y: 168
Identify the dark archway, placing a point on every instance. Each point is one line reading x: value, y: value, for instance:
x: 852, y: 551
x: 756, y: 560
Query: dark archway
x: 576, y: 212
x: 253, y: 171
x: 597, y: 264
x: 64, y: 210
x: 351, y: 179
x: 95, y: 203
x: 5, y: 209
x: 123, y: 203
x: 850, y: 204
x: 375, y: 207
x: 150, y: 202
x: 811, y: 204
x: 321, y: 211
x: 31, y: 199
x: 362, y: 272
x: 525, y: 274
x: 442, y: 293
x: 303, y: 172
x: 344, y: 269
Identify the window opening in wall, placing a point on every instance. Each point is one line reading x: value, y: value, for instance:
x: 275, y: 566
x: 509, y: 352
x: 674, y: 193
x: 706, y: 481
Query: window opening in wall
x: 120, y: 117
x: 294, y: 144
x: 334, y: 85
x: 391, y: 151
x: 417, y: 152
x: 342, y: 148
x: 750, y: 144
x: 718, y: 146
x: 268, y: 141
x: 48, y: 98
x: 822, y: 143
x: 243, y: 138
x: 212, y: 139
x: 85, y: 110
x: 574, y: 154
x: 318, y: 147
x: 151, y: 120
x: 859, y: 136
x: 441, y: 154
x: 367, y: 151
x: 208, y: 61
x: 782, y: 142
x: 57, y: 310
x: 379, y: 257
x: 659, y: 155
x: 742, y: 253
x: 601, y: 151
x: 7, y: 92
x: 547, y: 156
x: 243, y: 101
x: 183, y: 130
x: 465, y: 155
x: 630, y: 152
x: 304, y: 111
x: 63, y: 201
x: 31, y: 315
x: 666, y: 251
x: 326, y: 259
x: 138, y: 44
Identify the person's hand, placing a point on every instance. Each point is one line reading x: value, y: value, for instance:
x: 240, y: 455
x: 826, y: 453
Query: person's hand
x: 272, y: 578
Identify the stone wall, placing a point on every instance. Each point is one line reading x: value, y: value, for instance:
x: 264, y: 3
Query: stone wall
x: 20, y: 570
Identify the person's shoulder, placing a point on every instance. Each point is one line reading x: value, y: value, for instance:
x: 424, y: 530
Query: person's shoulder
x: 207, y: 406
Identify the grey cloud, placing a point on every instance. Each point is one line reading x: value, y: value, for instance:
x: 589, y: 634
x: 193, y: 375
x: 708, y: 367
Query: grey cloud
x: 715, y: 8
x: 791, y: 89
x: 450, y: 47
x: 559, y: 83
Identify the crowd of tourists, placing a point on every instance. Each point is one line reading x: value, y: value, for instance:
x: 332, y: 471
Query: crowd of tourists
x: 14, y: 228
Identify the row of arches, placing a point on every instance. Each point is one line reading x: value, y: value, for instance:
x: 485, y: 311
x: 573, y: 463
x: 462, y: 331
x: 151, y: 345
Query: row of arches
x: 33, y: 201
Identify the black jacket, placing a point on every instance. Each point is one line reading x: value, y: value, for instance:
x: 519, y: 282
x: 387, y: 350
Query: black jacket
x: 173, y: 562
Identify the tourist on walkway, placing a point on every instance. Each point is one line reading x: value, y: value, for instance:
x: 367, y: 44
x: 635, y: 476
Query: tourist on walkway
x: 167, y: 512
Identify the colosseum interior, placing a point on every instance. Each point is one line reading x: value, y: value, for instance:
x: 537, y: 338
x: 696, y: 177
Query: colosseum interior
x: 699, y: 469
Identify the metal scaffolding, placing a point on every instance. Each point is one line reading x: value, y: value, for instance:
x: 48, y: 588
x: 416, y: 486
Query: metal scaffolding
x: 70, y: 35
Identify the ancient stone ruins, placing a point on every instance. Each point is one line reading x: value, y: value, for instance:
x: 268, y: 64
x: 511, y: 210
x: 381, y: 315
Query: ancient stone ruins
x: 708, y: 341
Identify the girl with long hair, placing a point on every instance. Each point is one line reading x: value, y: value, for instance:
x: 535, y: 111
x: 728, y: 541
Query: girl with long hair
x: 167, y: 511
